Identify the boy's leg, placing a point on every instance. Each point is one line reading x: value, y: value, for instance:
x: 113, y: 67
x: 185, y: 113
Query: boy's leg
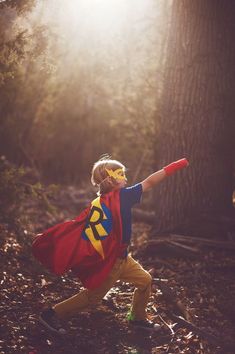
x: 133, y: 272
x: 87, y: 298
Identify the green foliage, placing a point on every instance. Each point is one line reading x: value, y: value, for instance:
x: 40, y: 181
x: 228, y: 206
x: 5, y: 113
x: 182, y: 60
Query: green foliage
x: 12, y: 191
x: 16, y: 191
x: 43, y: 194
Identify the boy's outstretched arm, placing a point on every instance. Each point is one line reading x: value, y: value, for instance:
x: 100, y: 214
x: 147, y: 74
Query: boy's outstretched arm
x: 158, y: 176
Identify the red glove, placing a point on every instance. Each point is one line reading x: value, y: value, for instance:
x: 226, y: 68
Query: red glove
x: 174, y: 166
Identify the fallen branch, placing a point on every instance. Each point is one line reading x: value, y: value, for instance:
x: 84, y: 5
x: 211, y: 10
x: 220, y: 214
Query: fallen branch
x: 188, y: 239
x: 169, y: 248
x: 186, y: 248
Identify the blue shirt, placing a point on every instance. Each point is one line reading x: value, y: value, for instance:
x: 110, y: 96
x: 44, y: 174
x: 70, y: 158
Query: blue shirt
x: 128, y: 198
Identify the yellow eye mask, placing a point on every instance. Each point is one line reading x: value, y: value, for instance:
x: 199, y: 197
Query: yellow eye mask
x: 117, y: 174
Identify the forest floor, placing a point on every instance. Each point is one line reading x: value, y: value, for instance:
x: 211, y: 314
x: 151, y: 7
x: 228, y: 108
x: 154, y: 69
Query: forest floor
x: 205, y: 285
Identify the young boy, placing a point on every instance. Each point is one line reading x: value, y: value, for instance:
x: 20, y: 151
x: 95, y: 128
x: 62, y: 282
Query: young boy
x: 106, y: 233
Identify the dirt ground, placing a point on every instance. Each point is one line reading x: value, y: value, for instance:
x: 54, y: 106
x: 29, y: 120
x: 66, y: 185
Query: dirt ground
x: 204, y: 285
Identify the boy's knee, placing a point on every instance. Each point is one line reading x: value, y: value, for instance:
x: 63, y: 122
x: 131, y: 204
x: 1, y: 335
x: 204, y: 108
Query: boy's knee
x: 149, y: 278
x: 146, y: 280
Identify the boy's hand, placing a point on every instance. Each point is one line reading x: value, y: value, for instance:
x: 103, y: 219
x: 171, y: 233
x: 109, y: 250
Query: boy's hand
x: 158, y: 176
x: 175, y: 166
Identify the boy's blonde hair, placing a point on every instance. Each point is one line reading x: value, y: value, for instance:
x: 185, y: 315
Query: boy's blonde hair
x: 99, y: 175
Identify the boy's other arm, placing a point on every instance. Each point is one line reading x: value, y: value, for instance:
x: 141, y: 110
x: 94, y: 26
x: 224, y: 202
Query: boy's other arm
x: 160, y: 175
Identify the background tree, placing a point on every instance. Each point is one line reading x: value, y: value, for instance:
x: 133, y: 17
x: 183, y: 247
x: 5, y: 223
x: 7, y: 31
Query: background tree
x: 196, y: 117
x: 21, y: 53
x: 77, y: 90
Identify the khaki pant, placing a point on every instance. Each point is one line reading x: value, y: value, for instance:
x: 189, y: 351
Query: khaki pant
x: 127, y: 270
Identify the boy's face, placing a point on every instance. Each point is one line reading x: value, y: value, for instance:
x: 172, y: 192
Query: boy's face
x: 119, y: 176
x: 122, y: 181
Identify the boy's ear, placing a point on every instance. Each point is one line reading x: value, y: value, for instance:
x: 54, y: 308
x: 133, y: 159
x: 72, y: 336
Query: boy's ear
x: 111, y: 180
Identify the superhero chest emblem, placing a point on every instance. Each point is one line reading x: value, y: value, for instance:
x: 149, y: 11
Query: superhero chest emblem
x: 98, y: 226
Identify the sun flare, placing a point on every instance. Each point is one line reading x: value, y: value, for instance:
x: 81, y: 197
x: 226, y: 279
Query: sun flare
x: 101, y: 18
x: 100, y: 15
x: 94, y: 16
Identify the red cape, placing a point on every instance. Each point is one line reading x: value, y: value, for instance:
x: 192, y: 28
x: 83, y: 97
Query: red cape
x: 72, y: 244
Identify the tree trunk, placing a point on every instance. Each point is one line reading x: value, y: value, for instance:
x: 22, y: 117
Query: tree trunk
x: 197, y: 112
